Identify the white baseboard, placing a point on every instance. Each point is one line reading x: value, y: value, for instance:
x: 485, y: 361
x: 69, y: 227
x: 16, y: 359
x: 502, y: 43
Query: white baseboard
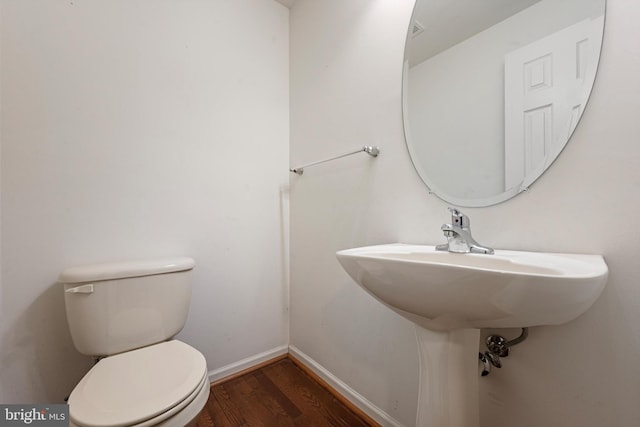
x: 225, y: 371
x: 353, y: 396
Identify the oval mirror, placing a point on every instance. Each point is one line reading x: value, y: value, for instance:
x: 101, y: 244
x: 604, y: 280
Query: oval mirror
x: 493, y: 89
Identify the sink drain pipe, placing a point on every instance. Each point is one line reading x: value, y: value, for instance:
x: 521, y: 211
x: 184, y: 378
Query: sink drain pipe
x: 498, y: 347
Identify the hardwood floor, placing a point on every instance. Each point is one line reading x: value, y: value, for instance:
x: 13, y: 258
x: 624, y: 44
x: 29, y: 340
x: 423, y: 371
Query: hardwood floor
x: 278, y: 394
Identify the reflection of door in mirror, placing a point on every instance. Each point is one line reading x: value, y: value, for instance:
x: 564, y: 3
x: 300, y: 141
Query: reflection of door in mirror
x: 547, y: 84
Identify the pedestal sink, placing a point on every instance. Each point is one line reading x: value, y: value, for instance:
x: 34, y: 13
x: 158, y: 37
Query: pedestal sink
x: 449, y: 297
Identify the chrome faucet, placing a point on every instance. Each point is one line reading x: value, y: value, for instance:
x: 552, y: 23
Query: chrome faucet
x: 458, y: 234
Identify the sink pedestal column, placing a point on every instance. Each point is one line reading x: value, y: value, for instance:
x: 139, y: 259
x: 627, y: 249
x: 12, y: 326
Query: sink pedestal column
x: 448, y: 392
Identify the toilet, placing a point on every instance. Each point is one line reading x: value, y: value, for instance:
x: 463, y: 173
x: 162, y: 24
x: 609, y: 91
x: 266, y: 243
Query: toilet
x: 126, y: 314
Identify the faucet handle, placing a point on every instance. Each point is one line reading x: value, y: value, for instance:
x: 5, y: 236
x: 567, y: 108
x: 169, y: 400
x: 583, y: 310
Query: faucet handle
x: 458, y: 218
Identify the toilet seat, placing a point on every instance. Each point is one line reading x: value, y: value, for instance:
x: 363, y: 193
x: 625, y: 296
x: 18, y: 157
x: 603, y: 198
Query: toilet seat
x: 178, y: 416
x: 140, y: 387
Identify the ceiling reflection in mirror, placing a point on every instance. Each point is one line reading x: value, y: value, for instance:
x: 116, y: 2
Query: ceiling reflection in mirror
x: 493, y: 89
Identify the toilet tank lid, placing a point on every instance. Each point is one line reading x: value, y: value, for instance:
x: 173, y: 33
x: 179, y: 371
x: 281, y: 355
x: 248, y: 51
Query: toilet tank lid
x: 125, y: 269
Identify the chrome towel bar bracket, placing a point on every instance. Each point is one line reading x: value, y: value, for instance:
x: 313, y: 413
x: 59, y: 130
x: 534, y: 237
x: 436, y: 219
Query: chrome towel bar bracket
x: 370, y: 150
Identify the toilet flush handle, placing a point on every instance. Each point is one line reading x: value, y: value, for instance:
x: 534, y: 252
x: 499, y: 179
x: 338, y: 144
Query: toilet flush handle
x: 83, y: 289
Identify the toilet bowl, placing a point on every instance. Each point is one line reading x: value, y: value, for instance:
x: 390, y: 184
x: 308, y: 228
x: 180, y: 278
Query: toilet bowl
x: 127, y: 314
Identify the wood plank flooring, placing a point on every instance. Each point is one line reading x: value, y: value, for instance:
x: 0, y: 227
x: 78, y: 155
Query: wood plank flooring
x: 278, y: 394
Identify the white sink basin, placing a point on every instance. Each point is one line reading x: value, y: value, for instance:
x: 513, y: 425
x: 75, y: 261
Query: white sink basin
x: 444, y: 291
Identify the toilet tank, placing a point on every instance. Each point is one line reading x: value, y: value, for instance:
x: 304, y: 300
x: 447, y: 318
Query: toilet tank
x: 116, y: 307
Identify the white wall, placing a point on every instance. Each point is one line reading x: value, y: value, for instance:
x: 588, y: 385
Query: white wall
x: 346, y: 64
x: 141, y: 128
x: 346, y: 71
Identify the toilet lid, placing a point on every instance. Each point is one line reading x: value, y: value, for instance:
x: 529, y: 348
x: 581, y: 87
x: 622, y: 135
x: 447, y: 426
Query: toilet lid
x: 131, y: 387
